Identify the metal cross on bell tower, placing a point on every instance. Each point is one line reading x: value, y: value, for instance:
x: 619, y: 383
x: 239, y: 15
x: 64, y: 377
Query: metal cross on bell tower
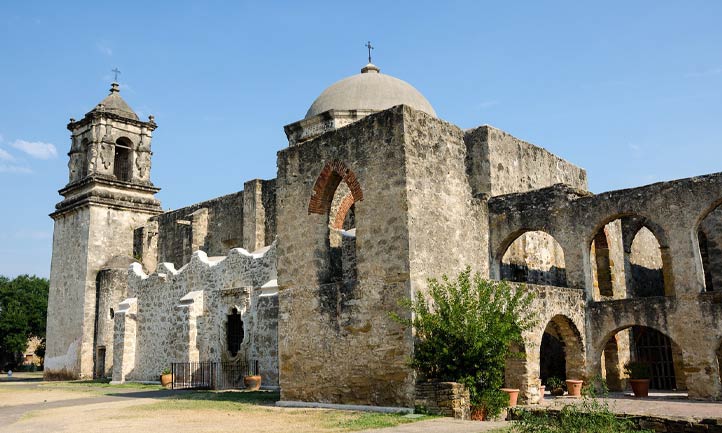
x: 116, y: 71
x: 368, y: 45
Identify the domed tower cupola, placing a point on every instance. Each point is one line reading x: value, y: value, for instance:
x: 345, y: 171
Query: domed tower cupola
x: 353, y: 98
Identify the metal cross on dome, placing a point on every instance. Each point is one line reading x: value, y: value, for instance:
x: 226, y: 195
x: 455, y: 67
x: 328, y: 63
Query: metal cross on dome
x: 368, y: 45
x: 116, y: 71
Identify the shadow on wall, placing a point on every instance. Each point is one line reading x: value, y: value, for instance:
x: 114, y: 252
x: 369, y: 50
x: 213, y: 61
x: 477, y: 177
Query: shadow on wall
x: 553, y: 276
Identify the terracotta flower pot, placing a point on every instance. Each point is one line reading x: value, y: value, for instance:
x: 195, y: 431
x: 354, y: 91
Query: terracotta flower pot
x: 252, y: 383
x: 640, y: 387
x: 478, y: 413
x: 513, y: 395
x: 541, y: 394
x: 166, y: 379
x: 574, y: 387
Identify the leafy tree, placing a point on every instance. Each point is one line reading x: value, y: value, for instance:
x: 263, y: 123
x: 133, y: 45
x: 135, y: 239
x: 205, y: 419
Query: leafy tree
x: 464, y: 329
x: 23, y: 313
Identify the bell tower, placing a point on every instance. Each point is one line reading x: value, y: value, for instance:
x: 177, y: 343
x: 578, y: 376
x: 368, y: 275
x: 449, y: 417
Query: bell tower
x: 109, y: 193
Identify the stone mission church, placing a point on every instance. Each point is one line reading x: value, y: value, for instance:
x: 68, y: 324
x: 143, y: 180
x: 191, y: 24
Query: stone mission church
x: 373, y: 195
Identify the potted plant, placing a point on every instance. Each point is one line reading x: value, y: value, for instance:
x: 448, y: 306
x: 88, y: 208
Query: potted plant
x: 556, y: 386
x: 574, y: 387
x: 639, y: 374
x: 252, y: 382
x: 491, y: 403
x: 166, y: 378
x: 513, y: 395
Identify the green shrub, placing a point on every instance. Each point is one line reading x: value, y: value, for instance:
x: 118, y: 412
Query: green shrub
x: 464, y: 329
x: 637, y: 370
x: 589, y: 416
x: 166, y: 371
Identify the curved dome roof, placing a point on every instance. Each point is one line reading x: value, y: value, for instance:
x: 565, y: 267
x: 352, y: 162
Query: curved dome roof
x: 369, y: 90
x: 113, y: 103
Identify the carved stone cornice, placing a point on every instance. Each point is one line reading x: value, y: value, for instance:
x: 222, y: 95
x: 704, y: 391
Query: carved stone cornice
x: 93, y: 115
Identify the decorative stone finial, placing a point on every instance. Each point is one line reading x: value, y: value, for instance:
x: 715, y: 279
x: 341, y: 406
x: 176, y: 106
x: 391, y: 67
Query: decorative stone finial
x: 115, y: 87
x: 370, y: 68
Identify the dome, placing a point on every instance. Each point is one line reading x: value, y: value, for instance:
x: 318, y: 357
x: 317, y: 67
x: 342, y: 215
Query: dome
x: 369, y: 90
x: 113, y: 103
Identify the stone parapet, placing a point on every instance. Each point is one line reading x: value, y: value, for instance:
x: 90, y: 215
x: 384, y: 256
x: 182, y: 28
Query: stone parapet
x: 443, y: 398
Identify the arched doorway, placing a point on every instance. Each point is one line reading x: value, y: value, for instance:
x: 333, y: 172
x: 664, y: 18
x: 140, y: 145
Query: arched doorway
x: 561, y: 352
x: 646, y: 345
x: 534, y: 257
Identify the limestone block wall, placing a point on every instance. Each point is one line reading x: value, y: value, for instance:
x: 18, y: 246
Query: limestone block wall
x: 559, y: 308
x: 244, y: 219
x: 85, y: 239
x: 443, y: 398
x: 338, y: 343
x: 112, y: 288
x: 672, y: 211
x: 182, y: 314
x: 447, y: 226
x: 66, y: 297
x: 499, y: 163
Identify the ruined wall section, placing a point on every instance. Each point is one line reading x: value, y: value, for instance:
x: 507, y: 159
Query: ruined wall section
x: 339, y: 344
x: 182, y: 314
x: 224, y: 229
x: 448, y: 228
x: 245, y: 219
x: 112, y: 288
x: 499, y: 163
x: 711, y: 227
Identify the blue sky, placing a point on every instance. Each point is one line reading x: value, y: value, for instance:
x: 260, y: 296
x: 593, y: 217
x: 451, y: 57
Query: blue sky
x: 630, y: 91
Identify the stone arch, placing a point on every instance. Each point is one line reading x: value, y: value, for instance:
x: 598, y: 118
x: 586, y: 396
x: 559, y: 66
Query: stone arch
x: 611, y: 245
x: 123, y: 159
x: 709, y: 241
x: 562, y: 337
x: 335, y: 195
x: 533, y: 256
x: 342, y: 212
x: 326, y: 184
x: 640, y: 342
x: 84, y: 155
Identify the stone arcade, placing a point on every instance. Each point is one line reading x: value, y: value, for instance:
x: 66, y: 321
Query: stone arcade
x: 373, y: 195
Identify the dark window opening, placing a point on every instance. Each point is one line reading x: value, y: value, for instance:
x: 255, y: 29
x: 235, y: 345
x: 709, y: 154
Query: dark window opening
x: 234, y: 332
x: 112, y: 313
x: 121, y: 164
x: 706, y: 265
x: 604, y: 268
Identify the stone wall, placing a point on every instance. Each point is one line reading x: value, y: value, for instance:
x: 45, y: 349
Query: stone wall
x: 689, y: 317
x: 443, y: 398
x: 447, y: 227
x: 499, y: 163
x: 112, y: 288
x: 181, y: 314
x: 244, y: 219
x: 711, y: 235
x: 339, y: 343
x: 85, y: 240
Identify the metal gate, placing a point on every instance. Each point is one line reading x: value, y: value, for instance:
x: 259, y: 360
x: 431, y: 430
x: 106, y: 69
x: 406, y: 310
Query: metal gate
x: 212, y: 375
x: 655, y: 349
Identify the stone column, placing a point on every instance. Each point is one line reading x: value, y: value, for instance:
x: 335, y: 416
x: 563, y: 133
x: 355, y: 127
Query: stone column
x: 254, y: 215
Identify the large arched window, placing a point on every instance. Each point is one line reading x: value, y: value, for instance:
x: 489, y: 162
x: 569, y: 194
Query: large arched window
x: 335, y: 195
x: 534, y: 257
x: 122, y: 162
x: 628, y: 260
x: 709, y: 236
